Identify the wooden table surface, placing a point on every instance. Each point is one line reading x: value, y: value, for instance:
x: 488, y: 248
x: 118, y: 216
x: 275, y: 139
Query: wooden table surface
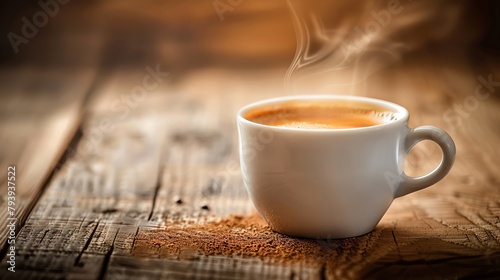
x: 116, y: 183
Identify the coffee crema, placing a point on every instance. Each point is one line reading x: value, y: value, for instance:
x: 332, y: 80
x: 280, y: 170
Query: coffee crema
x: 321, y: 114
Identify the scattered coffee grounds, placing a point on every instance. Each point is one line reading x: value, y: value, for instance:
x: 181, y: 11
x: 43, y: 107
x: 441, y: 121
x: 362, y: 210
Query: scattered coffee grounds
x: 236, y: 235
x: 178, y: 200
x: 205, y: 207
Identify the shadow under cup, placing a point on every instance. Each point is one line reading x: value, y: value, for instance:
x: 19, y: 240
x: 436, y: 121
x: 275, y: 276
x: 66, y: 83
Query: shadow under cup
x: 329, y: 166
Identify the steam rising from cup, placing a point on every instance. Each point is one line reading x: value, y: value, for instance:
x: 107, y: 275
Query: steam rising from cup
x: 362, y: 38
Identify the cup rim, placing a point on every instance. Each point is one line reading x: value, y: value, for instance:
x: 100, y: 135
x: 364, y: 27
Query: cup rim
x: 396, y: 108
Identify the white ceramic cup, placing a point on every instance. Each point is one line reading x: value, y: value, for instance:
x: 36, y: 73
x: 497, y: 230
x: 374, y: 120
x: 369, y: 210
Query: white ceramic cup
x: 332, y: 183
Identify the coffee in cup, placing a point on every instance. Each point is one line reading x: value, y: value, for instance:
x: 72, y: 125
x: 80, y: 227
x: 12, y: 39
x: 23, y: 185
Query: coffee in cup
x: 312, y: 114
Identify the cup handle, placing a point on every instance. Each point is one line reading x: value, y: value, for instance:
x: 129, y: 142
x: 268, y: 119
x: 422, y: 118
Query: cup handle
x: 443, y: 139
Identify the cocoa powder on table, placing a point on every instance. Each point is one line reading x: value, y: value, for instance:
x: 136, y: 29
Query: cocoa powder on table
x: 236, y: 235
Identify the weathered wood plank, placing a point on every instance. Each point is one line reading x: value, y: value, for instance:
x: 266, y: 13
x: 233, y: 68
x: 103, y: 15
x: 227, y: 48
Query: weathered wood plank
x: 98, y: 198
x: 170, y: 167
x: 36, y: 129
x: 151, y: 169
x: 425, y: 231
x: 205, y: 267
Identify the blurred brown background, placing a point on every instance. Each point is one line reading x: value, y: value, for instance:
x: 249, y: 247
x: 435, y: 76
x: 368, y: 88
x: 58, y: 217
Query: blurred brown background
x: 247, y: 33
x: 178, y: 34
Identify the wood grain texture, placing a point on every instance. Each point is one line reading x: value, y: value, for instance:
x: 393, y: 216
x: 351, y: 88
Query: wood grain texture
x: 171, y: 159
x: 148, y: 170
x: 36, y: 128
